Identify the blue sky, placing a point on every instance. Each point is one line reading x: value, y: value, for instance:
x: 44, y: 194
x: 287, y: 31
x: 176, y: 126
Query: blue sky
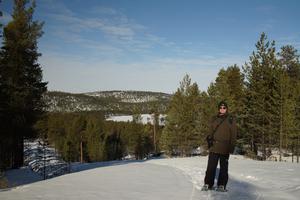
x: 150, y: 45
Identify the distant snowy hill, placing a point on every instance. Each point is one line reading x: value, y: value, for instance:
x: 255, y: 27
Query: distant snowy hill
x: 164, y: 179
x: 131, y: 96
x: 107, y: 101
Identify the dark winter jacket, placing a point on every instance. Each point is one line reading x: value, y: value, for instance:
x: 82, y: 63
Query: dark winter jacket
x: 225, y: 135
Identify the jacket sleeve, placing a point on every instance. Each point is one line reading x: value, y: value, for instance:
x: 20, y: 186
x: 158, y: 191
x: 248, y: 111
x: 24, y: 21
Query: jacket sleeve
x: 209, y: 134
x: 233, y: 134
x: 211, y: 127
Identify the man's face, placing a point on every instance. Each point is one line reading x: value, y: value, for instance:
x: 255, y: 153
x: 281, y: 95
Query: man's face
x: 222, y: 109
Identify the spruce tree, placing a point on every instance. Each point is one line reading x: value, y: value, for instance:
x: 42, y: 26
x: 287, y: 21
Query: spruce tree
x: 262, y: 109
x: 155, y: 119
x: 289, y: 60
x: 182, y: 131
x: 21, y: 79
x: 170, y: 139
x: 207, y: 111
x: 95, y: 137
x: 229, y: 86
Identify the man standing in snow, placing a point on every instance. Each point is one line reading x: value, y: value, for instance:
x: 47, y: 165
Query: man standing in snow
x: 221, y: 141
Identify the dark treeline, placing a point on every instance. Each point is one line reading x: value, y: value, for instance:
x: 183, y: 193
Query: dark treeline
x: 87, y: 137
x: 264, y: 97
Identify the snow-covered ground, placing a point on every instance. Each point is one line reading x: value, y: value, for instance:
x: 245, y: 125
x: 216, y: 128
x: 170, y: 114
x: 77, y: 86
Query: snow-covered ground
x: 42, y: 159
x: 173, y: 178
x: 249, y: 179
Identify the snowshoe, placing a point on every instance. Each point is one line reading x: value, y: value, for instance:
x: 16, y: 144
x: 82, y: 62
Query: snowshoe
x: 204, y: 188
x: 221, y: 188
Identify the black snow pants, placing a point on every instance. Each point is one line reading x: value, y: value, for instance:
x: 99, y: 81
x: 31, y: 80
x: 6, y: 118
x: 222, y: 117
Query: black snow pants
x: 213, y: 159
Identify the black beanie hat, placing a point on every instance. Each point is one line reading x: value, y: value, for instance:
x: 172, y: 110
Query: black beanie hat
x: 222, y: 103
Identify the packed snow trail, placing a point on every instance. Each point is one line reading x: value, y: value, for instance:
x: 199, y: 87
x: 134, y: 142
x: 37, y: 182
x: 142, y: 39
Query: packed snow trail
x: 130, y: 181
x: 174, y: 178
x: 248, y: 179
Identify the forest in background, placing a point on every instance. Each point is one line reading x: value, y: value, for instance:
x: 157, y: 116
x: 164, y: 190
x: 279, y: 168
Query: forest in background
x: 263, y: 95
x: 264, y: 98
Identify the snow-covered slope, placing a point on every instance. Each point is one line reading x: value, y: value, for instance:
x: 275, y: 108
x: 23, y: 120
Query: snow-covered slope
x: 174, y: 179
x: 106, y: 101
x: 130, y: 96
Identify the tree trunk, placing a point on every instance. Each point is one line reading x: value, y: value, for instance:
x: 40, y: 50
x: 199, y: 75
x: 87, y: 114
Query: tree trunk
x: 81, y: 151
x: 298, y: 148
x: 280, y: 136
x: 281, y: 119
x: 154, y: 133
x: 17, y: 155
x: 264, y: 147
x: 293, y: 152
x: 252, y: 142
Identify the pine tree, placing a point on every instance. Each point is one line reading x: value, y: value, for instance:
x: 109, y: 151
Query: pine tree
x: 57, y: 129
x: 193, y: 117
x: 95, y: 137
x: 263, y: 96
x: 182, y: 131
x: 21, y: 78
x: 289, y: 60
x: 114, y: 146
x: 170, y: 140
x: 4, y: 136
x: 207, y: 111
x: 1, y: 14
x: 229, y: 86
x: 77, y: 129
x: 155, y: 118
